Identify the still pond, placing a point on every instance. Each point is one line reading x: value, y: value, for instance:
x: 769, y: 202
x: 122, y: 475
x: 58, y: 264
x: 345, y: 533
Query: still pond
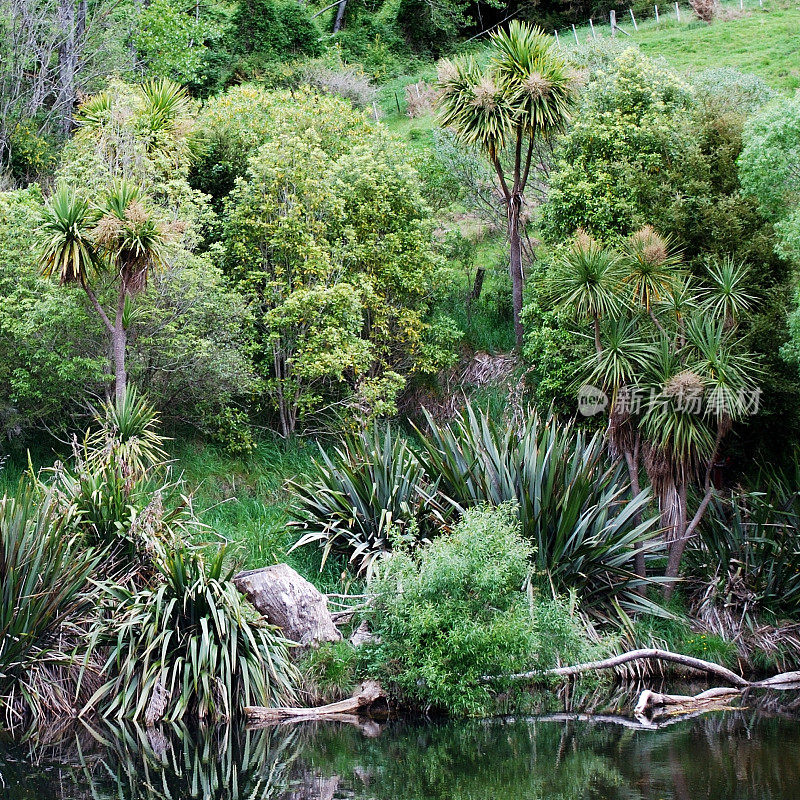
x: 749, y: 753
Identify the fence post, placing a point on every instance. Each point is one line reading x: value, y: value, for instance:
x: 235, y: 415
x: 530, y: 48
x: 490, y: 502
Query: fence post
x: 656, y: 15
x: 613, y: 15
x: 558, y: 44
x: 633, y: 19
x: 678, y: 12
x: 375, y: 109
x: 591, y: 25
x: 575, y: 33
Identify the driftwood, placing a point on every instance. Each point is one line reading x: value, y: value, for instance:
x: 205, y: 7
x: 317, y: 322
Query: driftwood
x: 290, y: 602
x: 632, y: 655
x: 656, y: 704
x: 369, y: 695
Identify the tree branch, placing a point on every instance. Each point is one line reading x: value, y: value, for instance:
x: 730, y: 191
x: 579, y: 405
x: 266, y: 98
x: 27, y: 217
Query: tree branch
x: 624, y: 658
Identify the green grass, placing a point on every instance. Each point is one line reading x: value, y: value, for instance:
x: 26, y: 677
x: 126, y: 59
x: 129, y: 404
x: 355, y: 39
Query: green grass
x: 762, y: 40
x: 243, y: 501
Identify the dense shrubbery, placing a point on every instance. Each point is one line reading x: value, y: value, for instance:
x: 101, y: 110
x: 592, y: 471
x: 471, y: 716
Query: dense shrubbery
x: 328, y: 236
x: 191, y: 646
x: 457, y: 609
x: 573, y: 507
x: 107, y: 603
x: 651, y: 148
x: 46, y: 601
x: 271, y: 257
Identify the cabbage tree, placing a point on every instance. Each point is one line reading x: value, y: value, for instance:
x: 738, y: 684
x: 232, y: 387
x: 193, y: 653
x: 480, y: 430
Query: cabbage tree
x: 521, y: 97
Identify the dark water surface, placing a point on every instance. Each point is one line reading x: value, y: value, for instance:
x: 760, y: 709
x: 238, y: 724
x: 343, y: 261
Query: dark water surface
x: 748, y: 754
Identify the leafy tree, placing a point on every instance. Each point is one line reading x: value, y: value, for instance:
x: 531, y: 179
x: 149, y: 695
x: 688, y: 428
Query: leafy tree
x: 273, y: 29
x: 123, y: 235
x: 50, y: 348
x: 233, y: 125
x: 189, y: 338
x: 177, y: 41
x: 521, y: 98
x: 611, y: 164
x: 332, y: 242
x: 649, y: 148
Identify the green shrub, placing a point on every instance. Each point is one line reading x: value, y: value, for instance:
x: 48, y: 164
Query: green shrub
x: 273, y: 29
x: 191, y: 646
x: 329, y: 672
x: 31, y: 155
x: 574, y: 508
x: 456, y: 610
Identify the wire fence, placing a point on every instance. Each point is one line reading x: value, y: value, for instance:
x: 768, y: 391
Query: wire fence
x: 626, y: 24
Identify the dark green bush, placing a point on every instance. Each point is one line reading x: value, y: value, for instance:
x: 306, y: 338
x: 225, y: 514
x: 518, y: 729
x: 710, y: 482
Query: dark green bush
x: 273, y: 30
x: 747, y: 558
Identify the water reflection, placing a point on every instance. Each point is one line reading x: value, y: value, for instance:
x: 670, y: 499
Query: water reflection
x: 744, y: 754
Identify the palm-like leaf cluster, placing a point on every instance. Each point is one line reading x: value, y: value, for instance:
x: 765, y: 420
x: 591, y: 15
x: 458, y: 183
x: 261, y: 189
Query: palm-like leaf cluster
x: 370, y: 490
x: 534, y: 76
x: 727, y: 297
x: 190, y: 646
x: 129, y: 235
x: 45, y: 599
x: 586, y: 278
x: 525, y: 89
x: 129, y: 427
x: 68, y: 249
x: 118, y: 491
x: 669, y: 354
x: 474, y: 105
x: 571, y: 503
x: 161, y: 111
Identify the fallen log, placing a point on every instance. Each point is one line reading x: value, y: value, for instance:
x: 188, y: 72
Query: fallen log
x: 654, y: 702
x: 369, y: 695
x: 624, y: 658
x: 678, y: 704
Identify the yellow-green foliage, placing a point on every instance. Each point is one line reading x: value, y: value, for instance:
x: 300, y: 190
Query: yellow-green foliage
x: 328, y: 235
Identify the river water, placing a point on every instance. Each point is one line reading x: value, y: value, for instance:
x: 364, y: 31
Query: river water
x: 752, y: 753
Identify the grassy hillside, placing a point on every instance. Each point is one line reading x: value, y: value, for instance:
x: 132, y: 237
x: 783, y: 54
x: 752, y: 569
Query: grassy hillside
x: 764, y: 40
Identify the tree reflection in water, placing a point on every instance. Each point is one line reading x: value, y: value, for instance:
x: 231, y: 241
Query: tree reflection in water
x: 749, y: 754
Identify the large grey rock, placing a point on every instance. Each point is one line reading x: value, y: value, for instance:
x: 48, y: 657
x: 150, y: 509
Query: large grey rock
x: 290, y: 602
